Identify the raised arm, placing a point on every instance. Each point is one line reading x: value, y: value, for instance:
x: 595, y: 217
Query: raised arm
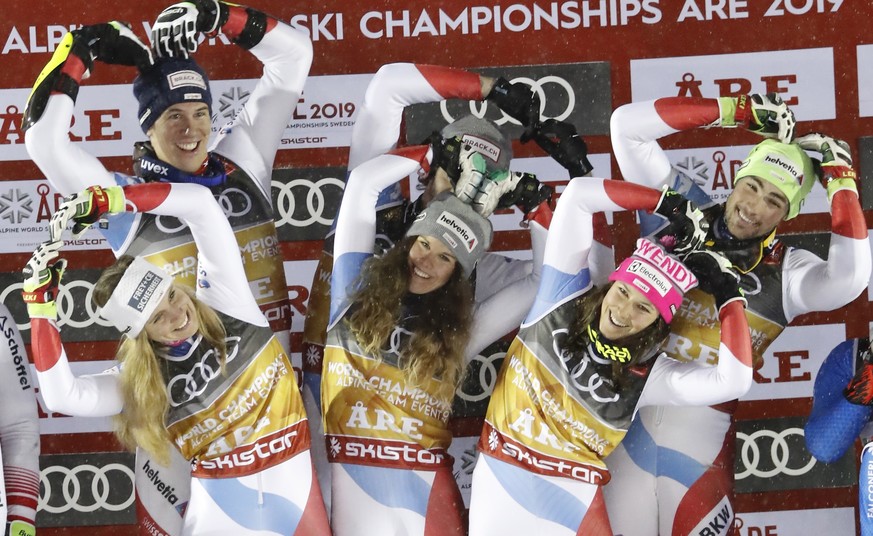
x: 636, y: 127
x: 834, y: 422
x: 221, y: 282
x: 356, y: 221
x: 91, y: 395
x: 674, y: 383
x: 50, y: 105
x: 688, y: 384
x: 221, y: 279
x: 252, y: 139
x: 396, y: 86
x: 94, y: 395
x: 566, y: 269
x: 504, y: 310
x: 846, y: 272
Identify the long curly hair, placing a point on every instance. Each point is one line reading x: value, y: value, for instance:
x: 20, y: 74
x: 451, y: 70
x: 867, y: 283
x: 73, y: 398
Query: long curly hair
x: 142, y: 384
x: 641, y: 345
x: 442, y: 329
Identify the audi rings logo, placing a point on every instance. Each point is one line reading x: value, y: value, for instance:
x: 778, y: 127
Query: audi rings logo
x: 184, y: 387
x: 396, y: 341
x: 751, y: 284
x: 484, y: 381
x: 86, y: 488
x: 577, y: 93
x: 234, y: 202
x: 557, y: 100
x: 230, y: 102
x: 303, y: 202
x: 767, y: 453
x: 586, y: 381
x: 75, y: 309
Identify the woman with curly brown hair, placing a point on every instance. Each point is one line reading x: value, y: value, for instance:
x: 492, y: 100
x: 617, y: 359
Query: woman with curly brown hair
x: 401, y: 329
x: 436, y: 348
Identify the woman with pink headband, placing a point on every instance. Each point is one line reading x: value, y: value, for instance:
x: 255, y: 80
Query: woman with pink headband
x: 586, y: 358
x: 200, y: 369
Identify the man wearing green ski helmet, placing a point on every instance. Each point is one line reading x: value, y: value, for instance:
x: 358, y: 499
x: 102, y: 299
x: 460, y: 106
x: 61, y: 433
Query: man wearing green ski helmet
x: 783, y: 174
x: 780, y: 282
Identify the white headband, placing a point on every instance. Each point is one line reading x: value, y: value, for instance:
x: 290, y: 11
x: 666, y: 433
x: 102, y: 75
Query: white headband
x: 141, y: 289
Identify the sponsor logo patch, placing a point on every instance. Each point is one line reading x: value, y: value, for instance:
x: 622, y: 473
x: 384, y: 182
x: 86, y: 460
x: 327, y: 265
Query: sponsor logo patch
x: 459, y: 229
x: 144, y: 291
x: 778, y: 161
x: 482, y: 146
x: 646, y: 274
x: 185, y: 78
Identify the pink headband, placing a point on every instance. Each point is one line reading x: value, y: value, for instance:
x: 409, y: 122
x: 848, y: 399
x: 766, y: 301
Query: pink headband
x: 661, y: 278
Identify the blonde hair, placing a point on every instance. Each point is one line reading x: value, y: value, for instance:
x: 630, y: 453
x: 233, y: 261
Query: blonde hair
x: 436, y: 349
x: 142, y: 423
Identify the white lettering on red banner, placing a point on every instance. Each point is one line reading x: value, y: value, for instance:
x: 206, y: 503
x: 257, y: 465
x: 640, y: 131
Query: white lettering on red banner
x: 478, y: 19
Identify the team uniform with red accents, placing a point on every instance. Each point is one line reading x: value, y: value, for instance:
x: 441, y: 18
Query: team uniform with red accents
x: 19, y: 428
x: 673, y: 473
x: 377, y: 129
x: 554, y: 416
x: 239, y: 174
x: 387, y: 439
x: 244, y: 428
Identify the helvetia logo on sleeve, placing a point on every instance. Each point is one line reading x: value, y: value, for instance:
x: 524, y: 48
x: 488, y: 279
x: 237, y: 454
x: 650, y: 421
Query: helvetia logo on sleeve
x: 482, y: 146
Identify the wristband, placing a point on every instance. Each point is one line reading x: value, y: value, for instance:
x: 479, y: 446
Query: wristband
x: 741, y: 299
x: 112, y: 196
x: 20, y: 528
x: 845, y: 183
x: 727, y: 109
x: 43, y: 310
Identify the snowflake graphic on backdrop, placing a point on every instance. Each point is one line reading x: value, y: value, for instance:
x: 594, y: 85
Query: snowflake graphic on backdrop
x: 312, y: 356
x: 694, y: 168
x: 231, y: 102
x: 15, y: 206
